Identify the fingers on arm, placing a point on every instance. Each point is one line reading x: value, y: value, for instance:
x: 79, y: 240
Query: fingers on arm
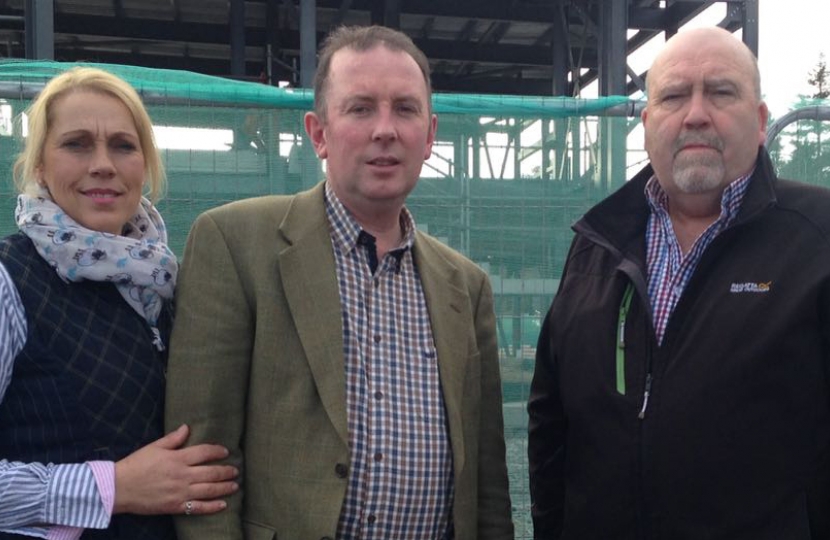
x: 200, y: 507
x: 159, y: 480
x: 203, y: 453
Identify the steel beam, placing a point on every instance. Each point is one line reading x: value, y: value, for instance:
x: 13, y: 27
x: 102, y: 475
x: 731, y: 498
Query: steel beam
x: 392, y: 14
x: 375, y: 9
x: 273, y: 24
x: 613, y: 26
x: 177, y: 12
x: 308, y: 42
x: 492, y: 85
x: 560, y: 51
x: 749, y: 24
x: 237, y: 30
x: 435, y: 49
x: 498, y: 11
x: 308, y: 67
x: 426, y: 29
x: 342, y: 11
x: 40, y: 29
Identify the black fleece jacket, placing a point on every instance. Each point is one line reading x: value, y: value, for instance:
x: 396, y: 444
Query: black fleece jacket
x: 733, y: 442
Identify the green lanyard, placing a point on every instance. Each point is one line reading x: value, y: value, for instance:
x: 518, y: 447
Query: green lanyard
x: 624, y: 306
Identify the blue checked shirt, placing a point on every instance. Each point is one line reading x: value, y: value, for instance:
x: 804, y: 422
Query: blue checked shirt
x: 400, y: 478
x: 669, y: 270
x: 34, y: 494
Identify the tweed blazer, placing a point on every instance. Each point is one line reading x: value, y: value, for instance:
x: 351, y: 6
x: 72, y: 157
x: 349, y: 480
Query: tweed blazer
x: 256, y: 364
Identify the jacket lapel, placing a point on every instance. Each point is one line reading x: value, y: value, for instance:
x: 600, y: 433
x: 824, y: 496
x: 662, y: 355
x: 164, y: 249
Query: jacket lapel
x: 308, y: 275
x: 307, y: 268
x: 449, y: 313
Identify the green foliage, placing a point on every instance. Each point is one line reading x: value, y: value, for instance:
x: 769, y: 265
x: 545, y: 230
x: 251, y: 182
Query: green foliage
x: 802, y: 150
x: 818, y: 79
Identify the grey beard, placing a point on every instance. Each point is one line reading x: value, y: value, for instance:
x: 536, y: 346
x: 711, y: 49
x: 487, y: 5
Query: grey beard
x: 698, y: 175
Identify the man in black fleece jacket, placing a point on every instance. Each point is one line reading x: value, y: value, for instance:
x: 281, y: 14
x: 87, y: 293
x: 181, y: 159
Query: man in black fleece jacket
x: 681, y: 383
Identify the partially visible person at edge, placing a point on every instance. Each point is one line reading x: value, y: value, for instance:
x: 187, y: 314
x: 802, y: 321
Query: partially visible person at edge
x: 85, y: 292
x: 346, y: 359
x: 681, y: 383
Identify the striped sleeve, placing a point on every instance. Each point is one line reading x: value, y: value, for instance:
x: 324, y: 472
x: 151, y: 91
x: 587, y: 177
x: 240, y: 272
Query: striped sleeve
x: 33, y: 494
x: 43, y: 501
x: 12, y: 328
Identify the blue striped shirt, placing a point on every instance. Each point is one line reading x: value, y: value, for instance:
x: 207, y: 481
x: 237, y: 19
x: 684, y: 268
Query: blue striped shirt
x: 669, y: 269
x: 400, y: 479
x: 40, y: 500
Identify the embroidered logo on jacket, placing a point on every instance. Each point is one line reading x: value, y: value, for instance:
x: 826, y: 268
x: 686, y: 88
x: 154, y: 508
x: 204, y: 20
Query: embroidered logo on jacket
x: 750, y: 287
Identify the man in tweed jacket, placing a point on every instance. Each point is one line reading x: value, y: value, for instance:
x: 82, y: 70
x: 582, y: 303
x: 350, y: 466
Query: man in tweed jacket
x: 348, y: 361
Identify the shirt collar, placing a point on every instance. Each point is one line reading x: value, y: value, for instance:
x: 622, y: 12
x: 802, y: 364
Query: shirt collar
x: 346, y: 230
x: 730, y: 201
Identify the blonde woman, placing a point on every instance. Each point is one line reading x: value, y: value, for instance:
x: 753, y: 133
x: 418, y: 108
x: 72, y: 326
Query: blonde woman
x: 86, y: 286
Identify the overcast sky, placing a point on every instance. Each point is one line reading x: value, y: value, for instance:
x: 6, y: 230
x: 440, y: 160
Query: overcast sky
x: 792, y: 33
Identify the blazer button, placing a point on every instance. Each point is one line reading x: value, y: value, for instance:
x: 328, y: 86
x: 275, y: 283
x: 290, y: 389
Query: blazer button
x: 341, y: 470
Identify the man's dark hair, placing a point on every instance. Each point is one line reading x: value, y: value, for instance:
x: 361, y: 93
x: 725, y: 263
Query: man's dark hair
x: 364, y: 38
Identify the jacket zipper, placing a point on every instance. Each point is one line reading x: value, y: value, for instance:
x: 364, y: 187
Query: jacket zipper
x: 646, y: 394
x: 625, y: 307
x: 644, y: 529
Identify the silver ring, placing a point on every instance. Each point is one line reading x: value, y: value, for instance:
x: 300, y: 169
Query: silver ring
x: 188, y: 508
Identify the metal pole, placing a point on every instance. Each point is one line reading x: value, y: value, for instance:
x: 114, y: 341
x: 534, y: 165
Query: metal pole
x: 308, y: 66
x: 749, y: 23
x: 392, y: 14
x: 40, y: 29
x: 613, y: 24
x: 308, y: 42
x: 560, y: 53
x: 237, y: 26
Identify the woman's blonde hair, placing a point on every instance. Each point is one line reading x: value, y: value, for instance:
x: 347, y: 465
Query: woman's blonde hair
x: 40, y: 116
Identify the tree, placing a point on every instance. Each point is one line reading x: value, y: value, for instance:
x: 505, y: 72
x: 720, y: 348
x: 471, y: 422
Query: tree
x: 818, y: 78
x: 810, y: 157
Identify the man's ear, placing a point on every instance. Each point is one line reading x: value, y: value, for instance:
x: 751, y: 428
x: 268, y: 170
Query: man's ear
x: 433, y: 129
x: 315, y: 128
x: 763, y: 119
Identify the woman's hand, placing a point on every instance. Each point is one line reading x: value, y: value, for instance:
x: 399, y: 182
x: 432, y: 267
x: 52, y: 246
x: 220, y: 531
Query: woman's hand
x: 163, y: 478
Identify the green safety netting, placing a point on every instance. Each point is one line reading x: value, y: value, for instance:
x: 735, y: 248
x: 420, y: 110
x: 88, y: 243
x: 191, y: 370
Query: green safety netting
x: 167, y: 83
x: 508, y: 177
